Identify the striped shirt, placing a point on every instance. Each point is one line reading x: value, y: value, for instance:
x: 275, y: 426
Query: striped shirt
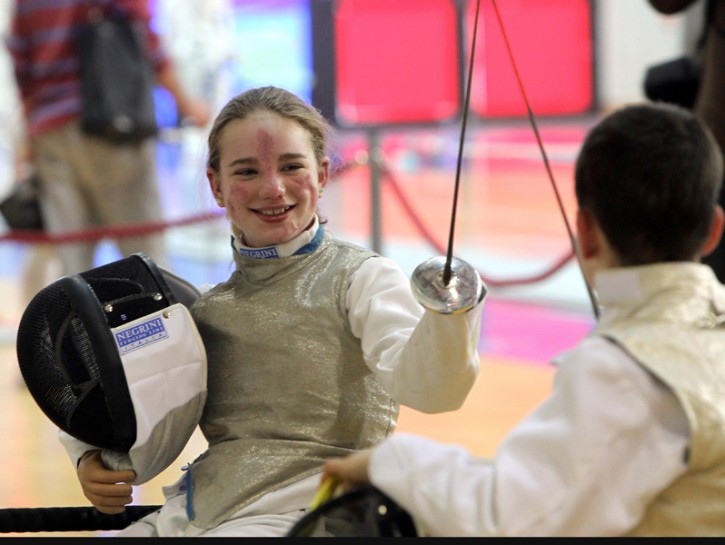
x: 41, y: 45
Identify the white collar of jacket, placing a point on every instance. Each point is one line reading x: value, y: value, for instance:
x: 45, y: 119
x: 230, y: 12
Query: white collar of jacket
x: 688, y: 288
x: 302, y: 243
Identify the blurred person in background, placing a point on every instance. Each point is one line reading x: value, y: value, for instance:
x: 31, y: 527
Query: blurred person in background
x: 200, y: 36
x: 41, y: 263
x: 87, y: 181
x: 710, y: 100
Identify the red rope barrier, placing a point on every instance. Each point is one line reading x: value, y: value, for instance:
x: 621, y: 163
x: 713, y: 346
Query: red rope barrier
x: 488, y: 280
x: 98, y: 233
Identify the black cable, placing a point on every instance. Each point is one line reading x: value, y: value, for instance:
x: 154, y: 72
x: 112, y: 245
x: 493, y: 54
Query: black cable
x: 68, y: 519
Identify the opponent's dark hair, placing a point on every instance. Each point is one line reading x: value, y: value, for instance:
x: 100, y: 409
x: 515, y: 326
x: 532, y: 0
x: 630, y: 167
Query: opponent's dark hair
x: 651, y: 175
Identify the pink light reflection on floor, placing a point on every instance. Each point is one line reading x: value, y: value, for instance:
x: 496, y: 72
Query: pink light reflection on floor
x: 531, y: 333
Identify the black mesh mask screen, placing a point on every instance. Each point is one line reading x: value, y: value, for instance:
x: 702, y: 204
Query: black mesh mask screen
x: 67, y: 354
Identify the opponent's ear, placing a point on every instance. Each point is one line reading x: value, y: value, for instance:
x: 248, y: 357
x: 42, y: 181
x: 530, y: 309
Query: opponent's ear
x: 716, y: 231
x: 587, y: 234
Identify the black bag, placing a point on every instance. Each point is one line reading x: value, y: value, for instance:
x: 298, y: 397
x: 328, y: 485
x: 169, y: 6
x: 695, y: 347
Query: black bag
x: 20, y: 208
x: 363, y: 512
x: 675, y: 81
x: 117, y: 79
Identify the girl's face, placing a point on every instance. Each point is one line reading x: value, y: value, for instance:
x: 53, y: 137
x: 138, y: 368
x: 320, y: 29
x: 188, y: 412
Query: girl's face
x: 268, y: 179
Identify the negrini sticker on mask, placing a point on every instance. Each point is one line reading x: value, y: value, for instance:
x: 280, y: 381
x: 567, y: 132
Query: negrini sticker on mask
x: 141, y: 335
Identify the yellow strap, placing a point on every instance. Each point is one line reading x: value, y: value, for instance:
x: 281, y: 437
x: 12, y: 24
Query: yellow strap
x: 325, y: 492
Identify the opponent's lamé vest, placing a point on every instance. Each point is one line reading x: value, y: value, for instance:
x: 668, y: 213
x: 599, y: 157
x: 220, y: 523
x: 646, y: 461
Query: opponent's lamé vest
x: 676, y: 336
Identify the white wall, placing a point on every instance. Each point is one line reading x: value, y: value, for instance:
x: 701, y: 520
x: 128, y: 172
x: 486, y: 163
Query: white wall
x: 630, y: 35
x: 10, y: 111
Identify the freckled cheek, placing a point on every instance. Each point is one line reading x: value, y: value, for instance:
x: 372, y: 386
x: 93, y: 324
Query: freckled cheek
x: 240, y: 193
x: 306, y: 184
x: 232, y: 208
x: 238, y: 197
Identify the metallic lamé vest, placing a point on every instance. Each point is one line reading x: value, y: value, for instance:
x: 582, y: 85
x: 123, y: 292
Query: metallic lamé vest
x: 287, y: 384
x: 674, y: 334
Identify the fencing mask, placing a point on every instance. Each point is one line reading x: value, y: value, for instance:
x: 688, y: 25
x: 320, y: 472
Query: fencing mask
x: 112, y: 356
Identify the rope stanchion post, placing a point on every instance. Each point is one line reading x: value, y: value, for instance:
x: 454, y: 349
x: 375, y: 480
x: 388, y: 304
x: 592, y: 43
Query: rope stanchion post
x: 376, y: 170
